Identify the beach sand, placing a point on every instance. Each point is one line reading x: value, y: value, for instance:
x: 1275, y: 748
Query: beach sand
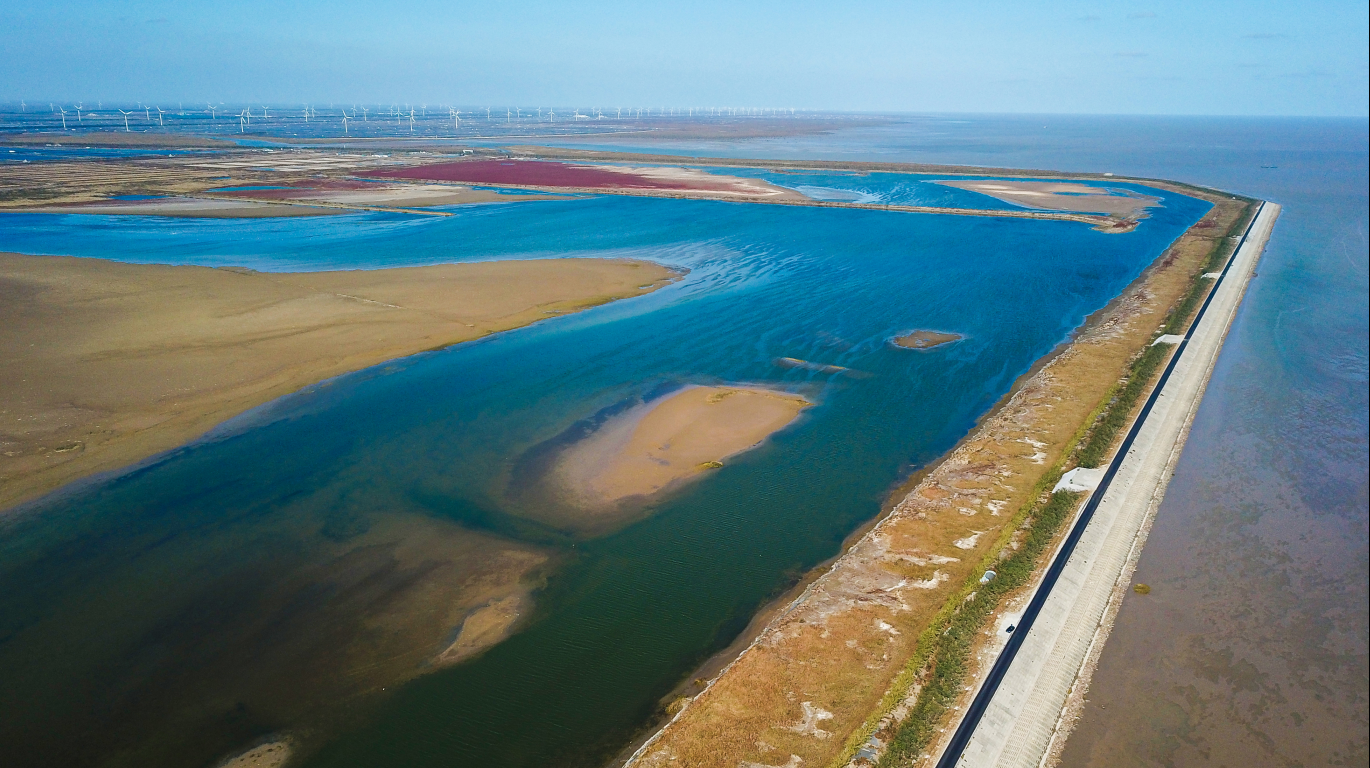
x: 104, y: 363
x: 669, y: 441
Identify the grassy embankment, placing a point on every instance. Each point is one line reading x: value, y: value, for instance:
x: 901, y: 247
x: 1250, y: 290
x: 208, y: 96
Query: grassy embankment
x: 940, y: 665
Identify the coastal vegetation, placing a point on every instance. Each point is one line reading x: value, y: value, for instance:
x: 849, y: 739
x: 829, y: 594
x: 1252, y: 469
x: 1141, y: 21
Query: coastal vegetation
x: 1118, y: 408
x: 946, y: 646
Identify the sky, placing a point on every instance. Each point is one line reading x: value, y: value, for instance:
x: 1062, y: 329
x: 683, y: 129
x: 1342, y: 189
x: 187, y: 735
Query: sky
x: 1205, y: 58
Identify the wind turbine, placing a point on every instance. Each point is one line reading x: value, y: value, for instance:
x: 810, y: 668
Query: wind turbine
x: 411, y: 119
x: 242, y: 121
x: 159, y: 118
x: 213, y: 112
x: 456, y: 118
x: 344, y: 113
x: 64, y: 118
x: 78, y: 113
x: 147, y: 113
x: 125, y: 114
x: 306, y: 114
x: 363, y: 114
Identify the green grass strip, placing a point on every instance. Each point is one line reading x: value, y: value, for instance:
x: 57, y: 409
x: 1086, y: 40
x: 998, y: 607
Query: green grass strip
x: 956, y: 636
x: 1116, y: 412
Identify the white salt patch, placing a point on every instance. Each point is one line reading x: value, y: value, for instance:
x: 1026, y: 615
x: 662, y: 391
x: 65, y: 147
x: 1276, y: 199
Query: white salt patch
x: 969, y: 541
x: 808, y: 724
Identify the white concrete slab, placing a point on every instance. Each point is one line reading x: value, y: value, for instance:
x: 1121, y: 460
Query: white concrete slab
x: 1079, y: 480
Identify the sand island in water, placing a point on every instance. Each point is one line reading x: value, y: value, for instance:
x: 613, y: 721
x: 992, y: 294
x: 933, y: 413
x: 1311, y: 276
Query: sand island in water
x: 671, y: 440
x: 926, y: 339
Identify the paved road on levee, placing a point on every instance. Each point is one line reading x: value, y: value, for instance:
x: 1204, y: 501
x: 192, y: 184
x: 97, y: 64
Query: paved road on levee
x: 1014, y: 717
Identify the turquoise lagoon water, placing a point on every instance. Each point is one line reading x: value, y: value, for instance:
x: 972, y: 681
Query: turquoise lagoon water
x: 138, y: 570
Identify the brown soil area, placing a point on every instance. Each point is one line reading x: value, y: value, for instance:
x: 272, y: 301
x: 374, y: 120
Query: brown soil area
x: 826, y: 673
x: 103, y: 363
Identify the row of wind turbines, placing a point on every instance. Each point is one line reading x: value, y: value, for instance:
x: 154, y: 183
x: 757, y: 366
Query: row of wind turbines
x: 414, y: 116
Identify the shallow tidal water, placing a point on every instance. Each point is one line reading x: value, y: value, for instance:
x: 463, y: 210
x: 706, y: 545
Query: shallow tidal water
x: 129, y: 581
x: 1251, y: 648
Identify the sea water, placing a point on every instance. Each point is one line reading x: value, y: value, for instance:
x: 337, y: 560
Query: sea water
x: 160, y: 554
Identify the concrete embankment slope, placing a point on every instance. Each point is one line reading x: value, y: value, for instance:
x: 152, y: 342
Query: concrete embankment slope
x: 1027, y: 719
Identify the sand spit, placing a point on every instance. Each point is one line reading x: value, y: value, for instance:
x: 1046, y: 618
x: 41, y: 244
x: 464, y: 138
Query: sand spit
x: 808, y: 365
x: 185, y: 207
x: 1062, y: 196
x: 272, y: 754
x: 298, y: 201
x: 666, y: 442
x: 520, y: 173
x: 484, y: 627
x: 845, y: 644
x: 926, y: 339
x: 104, y: 363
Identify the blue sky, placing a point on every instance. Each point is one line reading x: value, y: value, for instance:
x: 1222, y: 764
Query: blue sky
x: 1251, y: 58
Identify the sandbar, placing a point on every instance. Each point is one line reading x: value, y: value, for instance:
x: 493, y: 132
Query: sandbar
x: 926, y: 339
x: 1061, y: 196
x: 552, y: 174
x: 663, y: 443
x: 104, y: 363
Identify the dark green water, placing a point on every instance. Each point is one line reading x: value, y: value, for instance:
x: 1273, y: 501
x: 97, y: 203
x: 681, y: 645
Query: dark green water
x: 115, y: 595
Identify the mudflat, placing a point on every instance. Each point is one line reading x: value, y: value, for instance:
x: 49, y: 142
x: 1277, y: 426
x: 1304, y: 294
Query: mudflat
x: 104, y: 363
x: 668, y: 441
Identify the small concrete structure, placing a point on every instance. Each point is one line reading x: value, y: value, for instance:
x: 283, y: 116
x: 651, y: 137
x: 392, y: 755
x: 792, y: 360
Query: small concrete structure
x: 1079, y: 480
x: 1169, y: 338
